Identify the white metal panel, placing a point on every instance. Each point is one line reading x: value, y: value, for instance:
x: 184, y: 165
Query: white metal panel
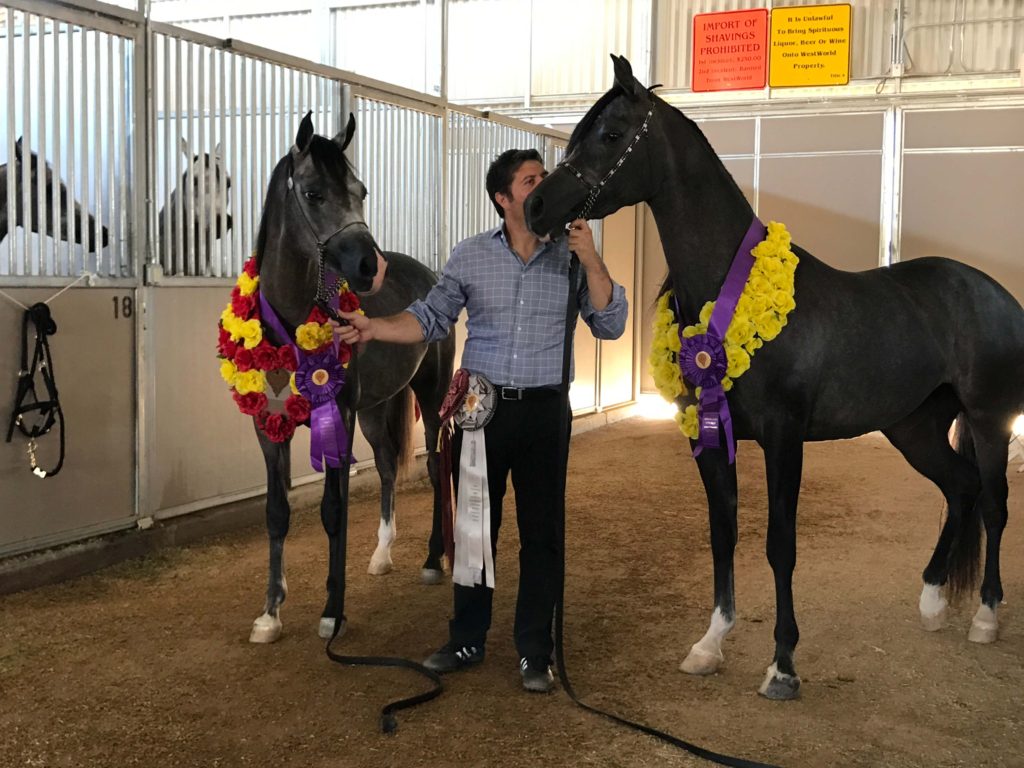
x: 488, y: 48
x: 957, y: 36
x: 408, y: 55
x: 397, y: 155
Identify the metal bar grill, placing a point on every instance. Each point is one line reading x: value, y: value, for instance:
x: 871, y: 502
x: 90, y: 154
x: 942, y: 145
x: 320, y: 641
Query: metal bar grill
x: 64, y: 120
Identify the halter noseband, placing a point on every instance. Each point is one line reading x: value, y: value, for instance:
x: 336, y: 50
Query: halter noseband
x: 596, y: 189
x: 323, y: 294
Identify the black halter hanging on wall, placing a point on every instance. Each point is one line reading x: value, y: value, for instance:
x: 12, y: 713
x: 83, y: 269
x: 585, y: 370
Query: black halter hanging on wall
x: 35, y: 417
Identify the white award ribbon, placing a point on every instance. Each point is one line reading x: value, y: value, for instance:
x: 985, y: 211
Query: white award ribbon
x: 474, y: 558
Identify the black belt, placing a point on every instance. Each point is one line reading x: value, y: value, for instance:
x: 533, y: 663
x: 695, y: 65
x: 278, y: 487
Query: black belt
x: 526, y: 393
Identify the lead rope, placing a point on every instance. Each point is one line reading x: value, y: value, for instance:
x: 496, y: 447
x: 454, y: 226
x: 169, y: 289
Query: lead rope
x: 388, y: 721
x: 563, y: 455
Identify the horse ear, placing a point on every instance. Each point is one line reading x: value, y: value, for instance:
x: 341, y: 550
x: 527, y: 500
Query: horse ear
x: 305, y: 135
x: 184, y: 148
x: 17, y: 148
x: 344, y: 138
x: 624, y: 77
x: 216, y: 150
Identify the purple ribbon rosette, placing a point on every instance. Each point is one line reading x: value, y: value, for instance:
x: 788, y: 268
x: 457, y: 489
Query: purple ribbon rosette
x: 319, y: 378
x: 702, y: 358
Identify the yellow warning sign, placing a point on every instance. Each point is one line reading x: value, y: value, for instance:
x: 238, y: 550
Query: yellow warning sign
x: 810, y: 45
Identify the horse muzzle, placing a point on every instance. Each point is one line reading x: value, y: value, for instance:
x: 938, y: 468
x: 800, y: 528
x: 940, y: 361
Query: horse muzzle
x: 354, y: 254
x: 555, y: 202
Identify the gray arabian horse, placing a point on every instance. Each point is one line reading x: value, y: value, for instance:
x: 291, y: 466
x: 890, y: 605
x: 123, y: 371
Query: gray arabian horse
x: 82, y: 235
x: 314, y: 197
x: 904, y: 349
x: 203, y: 203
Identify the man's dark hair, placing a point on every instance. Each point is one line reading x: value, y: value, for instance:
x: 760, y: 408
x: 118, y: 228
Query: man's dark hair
x: 503, y: 170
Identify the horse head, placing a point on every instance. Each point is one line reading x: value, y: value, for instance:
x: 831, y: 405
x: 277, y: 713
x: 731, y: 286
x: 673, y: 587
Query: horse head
x: 40, y: 172
x: 608, y: 143
x: 315, y: 204
x: 207, y: 171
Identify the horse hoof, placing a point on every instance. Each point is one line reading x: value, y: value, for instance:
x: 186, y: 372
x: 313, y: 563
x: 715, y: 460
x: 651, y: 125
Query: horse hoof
x: 779, y: 686
x: 983, y: 632
x: 431, y: 576
x: 326, y: 628
x: 266, y: 629
x: 934, y: 622
x: 380, y: 566
x: 701, y: 662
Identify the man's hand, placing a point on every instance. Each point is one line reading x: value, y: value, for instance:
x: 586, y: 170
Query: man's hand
x: 358, y: 331
x: 581, y: 242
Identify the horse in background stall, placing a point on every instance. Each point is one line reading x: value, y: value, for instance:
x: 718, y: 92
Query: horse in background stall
x: 904, y: 349
x: 203, y: 203
x: 314, y: 206
x: 45, y: 225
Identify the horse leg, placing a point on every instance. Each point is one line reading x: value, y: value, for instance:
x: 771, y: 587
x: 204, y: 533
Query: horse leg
x: 783, y: 466
x: 267, y: 628
x: 991, y: 441
x: 922, y: 439
x: 719, y: 479
x: 330, y: 507
x: 373, y: 423
x: 430, y: 395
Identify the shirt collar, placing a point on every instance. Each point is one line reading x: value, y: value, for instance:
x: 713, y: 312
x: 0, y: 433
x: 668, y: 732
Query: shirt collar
x: 499, y: 233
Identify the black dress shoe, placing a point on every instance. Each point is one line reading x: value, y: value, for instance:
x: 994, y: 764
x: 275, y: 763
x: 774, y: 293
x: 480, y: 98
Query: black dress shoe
x: 451, y: 657
x: 536, y: 674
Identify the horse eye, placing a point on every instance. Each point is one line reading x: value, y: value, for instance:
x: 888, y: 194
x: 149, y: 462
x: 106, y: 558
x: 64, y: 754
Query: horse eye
x: 611, y: 136
x: 313, y: 196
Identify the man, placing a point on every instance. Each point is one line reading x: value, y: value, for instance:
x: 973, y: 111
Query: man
x: 514, y: 290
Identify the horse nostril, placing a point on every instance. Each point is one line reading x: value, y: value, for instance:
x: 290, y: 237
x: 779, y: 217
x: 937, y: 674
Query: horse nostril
x: 368, y: 266
x: 536, y: 207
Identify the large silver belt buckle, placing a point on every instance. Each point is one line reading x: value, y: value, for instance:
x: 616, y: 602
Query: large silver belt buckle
x: 478, y: 405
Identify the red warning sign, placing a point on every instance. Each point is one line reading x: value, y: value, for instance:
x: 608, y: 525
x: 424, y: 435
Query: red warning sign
x: 730, y: 50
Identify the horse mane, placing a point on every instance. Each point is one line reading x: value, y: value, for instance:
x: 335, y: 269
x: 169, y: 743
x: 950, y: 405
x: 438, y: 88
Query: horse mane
x: 326, y: 155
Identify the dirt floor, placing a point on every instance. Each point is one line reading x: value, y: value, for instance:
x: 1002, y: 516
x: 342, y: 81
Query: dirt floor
x: 148, y: 664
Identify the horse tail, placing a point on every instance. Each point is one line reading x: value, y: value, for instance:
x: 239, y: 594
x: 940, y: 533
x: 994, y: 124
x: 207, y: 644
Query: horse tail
x: 401, y: 421
x: 965, y: 551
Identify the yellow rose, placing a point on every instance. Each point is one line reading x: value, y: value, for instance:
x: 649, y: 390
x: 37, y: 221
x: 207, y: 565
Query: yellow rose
x: 759, y: 285
x: 726, y: 384
x: 250, y: 381
x: 740, y: 330
x: 768, y: 326
x: 705, y: 312
x: 753, y: 345
x: 312, y: 336
x: 291, y: 383
x: 739, y: 361
x: 784, y: 304
x: 694, y: 330
x: 251, y: 332
x: 247, y: 285
x: 672, y: 340
x: 228, y: 371
x: 687, y: 421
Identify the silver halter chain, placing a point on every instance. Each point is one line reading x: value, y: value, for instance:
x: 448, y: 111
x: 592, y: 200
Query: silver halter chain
x: 595, y: 189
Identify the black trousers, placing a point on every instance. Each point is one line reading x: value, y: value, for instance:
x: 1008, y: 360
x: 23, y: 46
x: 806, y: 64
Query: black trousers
x: 522, y: 438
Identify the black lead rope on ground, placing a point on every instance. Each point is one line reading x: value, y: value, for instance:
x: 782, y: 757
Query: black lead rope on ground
x: 26, y: 399
x: 388, y: 721
x: 563, y: 440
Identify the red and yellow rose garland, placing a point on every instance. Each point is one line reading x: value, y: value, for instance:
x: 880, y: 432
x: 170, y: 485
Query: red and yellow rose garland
x: 250, y: 363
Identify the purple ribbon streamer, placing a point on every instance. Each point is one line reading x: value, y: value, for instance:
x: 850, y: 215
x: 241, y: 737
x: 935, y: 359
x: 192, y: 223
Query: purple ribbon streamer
x: 329, y: 438
x: 713, y: 407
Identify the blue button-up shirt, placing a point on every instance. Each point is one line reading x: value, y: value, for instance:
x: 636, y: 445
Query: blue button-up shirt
x: 515, y: 312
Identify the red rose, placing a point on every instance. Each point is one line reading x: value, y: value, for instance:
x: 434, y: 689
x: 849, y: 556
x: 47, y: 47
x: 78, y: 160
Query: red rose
x: 317, y: 315
x: 278, y: 427
x: 225, y: 345
x: 344, y: 353
x: 244, y: 359
x: 243, y: 306
x: 286, y: 358
x: 265, y: 356
x: 298, y: 408
x: 250, y: 267
x: 348, y: 302
x: 252, y: 403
